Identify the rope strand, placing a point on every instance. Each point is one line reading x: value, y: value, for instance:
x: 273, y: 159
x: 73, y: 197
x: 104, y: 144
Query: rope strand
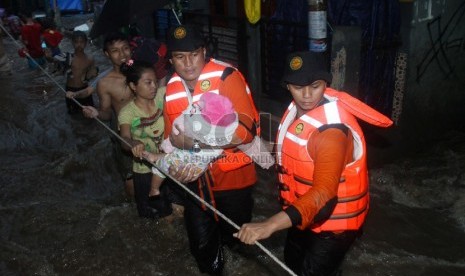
x: 271, y: 255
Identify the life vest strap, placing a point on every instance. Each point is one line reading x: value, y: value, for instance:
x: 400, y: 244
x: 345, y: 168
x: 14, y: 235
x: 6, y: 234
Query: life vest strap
x: 253, y: 130
x: 206, y: 192
x: 303, y: 180
x: 349, y: 215
x: 352, y: 198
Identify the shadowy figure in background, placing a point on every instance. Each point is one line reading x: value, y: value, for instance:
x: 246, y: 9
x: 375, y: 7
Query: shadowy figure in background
x: 154, y: 52
x: 5, y: 66
x: 31, y: 36
x: 81, y: 69
x: 52, y: 39
x: 13, y: 23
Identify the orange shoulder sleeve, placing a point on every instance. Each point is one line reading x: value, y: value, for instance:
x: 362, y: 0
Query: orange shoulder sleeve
x: 234, y: 88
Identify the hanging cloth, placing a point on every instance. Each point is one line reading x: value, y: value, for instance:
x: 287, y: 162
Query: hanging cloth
x: 252, y: 10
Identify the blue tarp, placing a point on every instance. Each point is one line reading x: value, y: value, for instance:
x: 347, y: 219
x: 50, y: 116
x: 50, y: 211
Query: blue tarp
x: 68, y: 5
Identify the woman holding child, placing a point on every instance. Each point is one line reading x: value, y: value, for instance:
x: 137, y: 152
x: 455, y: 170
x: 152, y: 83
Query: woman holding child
x: 142, y: 126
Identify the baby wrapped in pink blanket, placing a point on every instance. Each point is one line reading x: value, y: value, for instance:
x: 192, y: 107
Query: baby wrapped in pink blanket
x: 211, y: 121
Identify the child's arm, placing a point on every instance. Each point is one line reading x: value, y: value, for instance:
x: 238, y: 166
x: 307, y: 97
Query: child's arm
x: 153, y: 157
x: 81, y: 93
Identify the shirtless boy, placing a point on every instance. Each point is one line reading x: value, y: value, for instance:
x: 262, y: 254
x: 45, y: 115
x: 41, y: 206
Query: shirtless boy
x: 114, y: 94
x: 112, y: 90
x: 82, y: 69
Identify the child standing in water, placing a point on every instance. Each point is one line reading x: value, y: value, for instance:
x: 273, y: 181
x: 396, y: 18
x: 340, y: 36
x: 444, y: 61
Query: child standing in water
x: 81, y: 70
x: 141, y: 125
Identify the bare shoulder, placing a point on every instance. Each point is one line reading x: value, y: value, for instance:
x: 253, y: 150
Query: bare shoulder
x: 104, y: 84
x: 111, y: 83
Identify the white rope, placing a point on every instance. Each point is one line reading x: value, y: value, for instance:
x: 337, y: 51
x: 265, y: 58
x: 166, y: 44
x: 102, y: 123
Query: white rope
x: 153, y: 164
x: 175, y: 15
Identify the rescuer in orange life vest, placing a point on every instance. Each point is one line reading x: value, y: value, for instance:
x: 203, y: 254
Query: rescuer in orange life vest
x: 322, y: 170
x: 228, y: 182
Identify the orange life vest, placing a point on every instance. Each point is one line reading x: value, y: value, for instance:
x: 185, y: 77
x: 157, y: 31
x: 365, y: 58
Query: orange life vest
x: 178, y: 98
x: 295, y: 166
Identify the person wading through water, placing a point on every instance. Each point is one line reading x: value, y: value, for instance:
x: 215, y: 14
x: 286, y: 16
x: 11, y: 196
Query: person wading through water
x: 322, y: 169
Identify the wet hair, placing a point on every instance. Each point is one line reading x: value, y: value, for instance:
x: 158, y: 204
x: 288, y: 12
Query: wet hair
x: 78, y: 34
x: 112, y: 38
x: 134, y: 69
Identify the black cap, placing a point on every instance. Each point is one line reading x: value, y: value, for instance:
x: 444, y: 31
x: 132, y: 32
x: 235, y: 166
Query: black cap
x: 184, y: 38
x: 304, y: 68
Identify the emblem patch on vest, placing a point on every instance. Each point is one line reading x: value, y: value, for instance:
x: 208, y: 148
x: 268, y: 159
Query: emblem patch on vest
x: 299, y: 128
x: 205, y: 85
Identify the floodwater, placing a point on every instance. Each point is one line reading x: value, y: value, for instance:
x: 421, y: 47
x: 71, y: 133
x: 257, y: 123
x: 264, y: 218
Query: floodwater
x: 63, y: 210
